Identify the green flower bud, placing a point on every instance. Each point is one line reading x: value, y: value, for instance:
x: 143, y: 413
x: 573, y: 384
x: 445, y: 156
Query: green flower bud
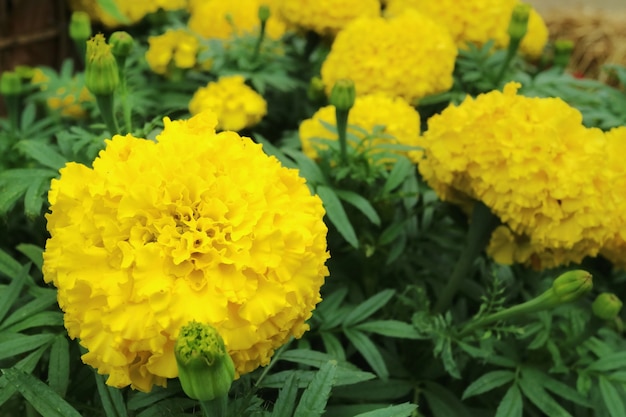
x: 205, y: 369
x: 10, y: 84
x: 343, y: 94
x: 101, y: 74
x: 572, y: 285
x: 264, y: 13
x: 315, y: 91
x: 606, y: 306
x: 518, y: 26
x: 562, y: 52
x: 80, y: 27
x: 121, y: 44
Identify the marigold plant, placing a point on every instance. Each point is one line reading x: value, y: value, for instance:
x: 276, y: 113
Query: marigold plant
x: 407, y: 56
x: 195, y: 226
x: 237, y: 105
x: 132, y: 11
x: 534, y: 164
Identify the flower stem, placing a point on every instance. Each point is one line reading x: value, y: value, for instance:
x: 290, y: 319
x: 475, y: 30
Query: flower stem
x: 482, y: 224
x: 342, y: 127
x: 105, y: 104
x: 216, y: 407
x: 259, y: 41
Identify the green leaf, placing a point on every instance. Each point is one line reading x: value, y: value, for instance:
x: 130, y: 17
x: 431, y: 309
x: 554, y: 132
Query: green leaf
x: 511, y: 404
x: 369, y: 351
x: 613, y: 400
x: 389, y: 328
x: 368, y: 307
x: 9, y: 295
x: 272, y: 150
x: 59, y: 365
x: 43, y: 153
x: 286, y: 401
x: 18, y: 343
x: 110, y: 7
x: 400, y: 171
x: 9, y: 266
x: 533, y: 390
x: 111, y: 398
x: 45, y: 299
x: 375, y: 390
x: 27, y: 365
x: 44, y: 318
x: 333, y: 346
x: 487, y: 382
x: 442, y: 402
x: 609, y: 362
x: 315, y: 397
x: 361, y: 203
x: 16, y: 182
x: 337, y: 215
x: 33, y: 252
x: 307, y: 167
x: 344, y: 376
x: 400, y: 410
x: 43, y: 399
x: 565, y: 391
x: 310, y: 358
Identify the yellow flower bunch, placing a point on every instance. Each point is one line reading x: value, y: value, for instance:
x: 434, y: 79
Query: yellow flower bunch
x: 197, y: 226
x: 68, y: 101
x: 399, y: 119
x: 176, y: 48
x: 407, y: 56
x: 216, y: 19
x: 534, y: 164
x: 134, y: 10
x: 478, y: 21
x: 326, y: 17
x: 237, y: 106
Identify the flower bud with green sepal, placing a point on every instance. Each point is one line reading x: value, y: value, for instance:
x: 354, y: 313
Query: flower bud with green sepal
x: 606, y: 306
x: 10, y: 84
x: 101, y: 74
x: 205, y: 369
x: 80, y: 27
x: 571, y: 286
x: 343, y: 95
x: 121, y: 44
x: 518, y: 25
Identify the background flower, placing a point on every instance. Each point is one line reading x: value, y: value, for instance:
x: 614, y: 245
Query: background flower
x: 534, y: 164
x: 399, y: 119
x: 175, y: 48
x: 196, y: 226
x: 236, y: 105
x: 134, y: 10
x: 407, y: 56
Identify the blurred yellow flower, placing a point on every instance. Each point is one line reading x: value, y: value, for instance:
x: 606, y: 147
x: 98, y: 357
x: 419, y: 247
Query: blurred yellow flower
x: 478, y: 21
x: 134, y: 10
x: 400, y: 121
x: 176, y: 48
x: 407, y: 56
x: 216, y: 19
x: 534, y: 164
x: 69, y: 100
x: 197, y: 226
x: 237, y: 106
x: 326, y: 17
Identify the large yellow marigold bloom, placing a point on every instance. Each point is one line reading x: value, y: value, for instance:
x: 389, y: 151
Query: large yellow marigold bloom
x: 326, y: 17
x: 399, y: 119
x: 196, y: 226
x: 237, y: 106
x: 533, y: 163
x: 175, y: 48
x: 134, y: 10
x: 217, y: 19
x: 407, y: 56
x: 478, y: 21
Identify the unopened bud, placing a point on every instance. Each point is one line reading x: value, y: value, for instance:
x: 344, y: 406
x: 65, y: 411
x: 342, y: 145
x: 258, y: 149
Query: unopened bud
x: 101, y: 74
x: 606, y: 306
x: 121, y: 44
x: 343, y: 95
x: 264, y: 13
x: 205, y: 369
x: 572, y: 285
x: 80, y: 27
x: 563, y: 49
x: 10, y: 84
x: 518, y: 26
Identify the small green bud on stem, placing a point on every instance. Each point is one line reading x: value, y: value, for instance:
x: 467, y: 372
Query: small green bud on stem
x: 606, y: 306
x: 342, y: 96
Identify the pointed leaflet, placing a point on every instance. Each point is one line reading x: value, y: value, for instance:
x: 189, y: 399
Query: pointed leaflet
x: 315, y: 397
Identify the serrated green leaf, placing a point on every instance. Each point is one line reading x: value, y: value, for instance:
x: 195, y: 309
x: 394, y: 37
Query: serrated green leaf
x: 43, y: 153
x: 389, y: 328
x: 59, y: 365
x: 286, y: 401
x: 34, y: 197
x: 442, y: 402
x: 512, y: 404
x: 613, y: 400
x: 532, y: 388
x: 333, y: 346
x: 368, y: 307
x: 9, y: 295
x: 111, y: 398
x: 43, y: 399
x: 361, y: 203
x: 307, y: 357
x: 610, y: 362
x: 376, y: 390
x: 337, y: 215
x: 344, y: 376
x: 314, y: 398
x: 15, y: 182
x: 369, y: 351
x: 400, y: 171
x: 14, y: 344
x: 565, y: 391
x: 487, y: 382
x: 400, y: 410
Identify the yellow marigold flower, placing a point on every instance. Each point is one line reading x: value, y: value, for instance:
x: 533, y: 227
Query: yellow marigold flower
x: 399, y: 119
x: 175, y: 48
x: 197, y: 226
x: 217, y: 19
x: 478, y: 21
x: 615, y: 249
x: 533, y: 163
x: 407, y: 56
x: 237, y: 106
x: 134, y: 10
x: 326, y: 17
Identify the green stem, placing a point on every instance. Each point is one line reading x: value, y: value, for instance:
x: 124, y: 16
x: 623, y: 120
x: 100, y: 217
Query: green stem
x: 105, y: 104
x: 259, y: 41
x: 216, y: 407
x: 342, y: 127
x: 510, y: 54
x: 13, y: 110
x: 123, y: 89
x: 482, y: 224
